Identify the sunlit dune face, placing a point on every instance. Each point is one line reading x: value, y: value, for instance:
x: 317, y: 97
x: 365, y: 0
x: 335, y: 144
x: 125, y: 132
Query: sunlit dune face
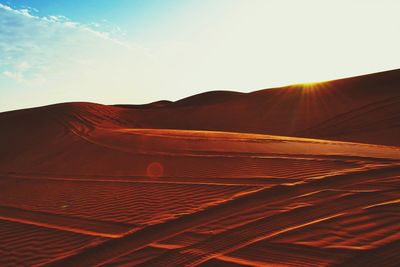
x: 155, y: 170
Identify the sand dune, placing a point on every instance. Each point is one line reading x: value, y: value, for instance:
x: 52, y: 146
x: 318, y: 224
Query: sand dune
x: 291, y: 111
x: 370, y: 122
x: 26, y: 245
x: 293, y: 176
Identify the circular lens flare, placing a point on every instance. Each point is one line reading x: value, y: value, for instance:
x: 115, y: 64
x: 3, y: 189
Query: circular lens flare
x: 155, y: 170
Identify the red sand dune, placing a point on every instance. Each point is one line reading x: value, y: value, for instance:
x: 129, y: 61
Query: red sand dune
x: 364, y: 108
x: 210, y: 180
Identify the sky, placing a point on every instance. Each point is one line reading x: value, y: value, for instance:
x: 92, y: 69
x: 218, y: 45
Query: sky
x: 139, y: 51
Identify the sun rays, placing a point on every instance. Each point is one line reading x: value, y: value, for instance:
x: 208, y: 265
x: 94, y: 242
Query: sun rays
x: 313, y: 85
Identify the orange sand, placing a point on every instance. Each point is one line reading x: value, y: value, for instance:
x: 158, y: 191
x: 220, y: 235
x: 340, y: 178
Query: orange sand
x: 289, y: 176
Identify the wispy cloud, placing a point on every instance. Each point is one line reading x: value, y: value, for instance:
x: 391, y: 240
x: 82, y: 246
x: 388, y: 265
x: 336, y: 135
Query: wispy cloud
x: 55, y: 59
x: 31, y: 45
x: 110, y: 34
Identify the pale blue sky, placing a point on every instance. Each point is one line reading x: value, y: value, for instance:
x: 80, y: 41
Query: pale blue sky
x: 127, y: 51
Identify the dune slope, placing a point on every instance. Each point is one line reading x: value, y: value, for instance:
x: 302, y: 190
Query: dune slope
x: 298, y: 110
x: 210, y: 180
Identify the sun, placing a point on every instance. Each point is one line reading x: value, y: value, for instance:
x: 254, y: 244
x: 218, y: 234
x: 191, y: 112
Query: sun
x: 311, y: 85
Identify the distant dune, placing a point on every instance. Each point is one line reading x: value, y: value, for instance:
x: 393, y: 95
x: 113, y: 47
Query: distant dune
x: 359, y: 109
x: 297, y: 110
x: 303, y: 175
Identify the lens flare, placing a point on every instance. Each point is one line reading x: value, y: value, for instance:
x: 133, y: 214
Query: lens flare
x: 155, y: 170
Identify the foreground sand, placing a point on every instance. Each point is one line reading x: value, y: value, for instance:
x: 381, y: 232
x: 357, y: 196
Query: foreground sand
x: 201, y: 198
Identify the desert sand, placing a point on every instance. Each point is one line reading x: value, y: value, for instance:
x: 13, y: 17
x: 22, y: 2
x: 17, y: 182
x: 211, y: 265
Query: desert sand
x: 303, y: 175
